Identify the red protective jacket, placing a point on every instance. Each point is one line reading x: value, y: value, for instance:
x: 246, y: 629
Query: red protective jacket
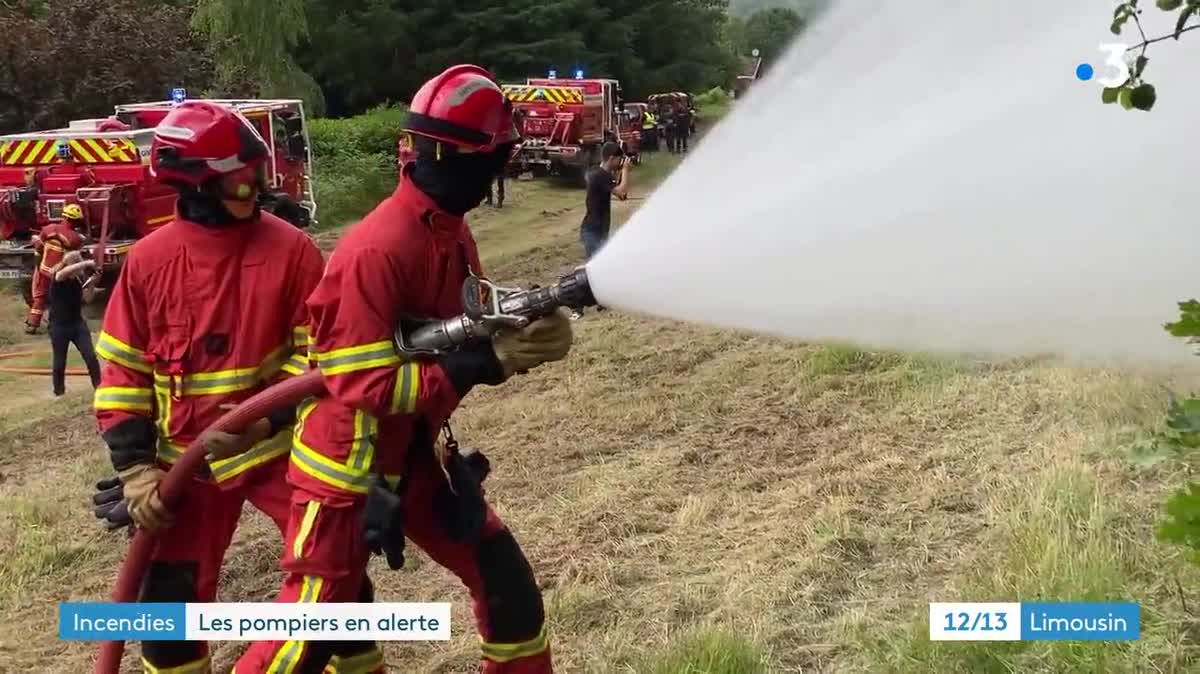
x: 405, y: 258
x: 201, y: 317
x: 56, y: 239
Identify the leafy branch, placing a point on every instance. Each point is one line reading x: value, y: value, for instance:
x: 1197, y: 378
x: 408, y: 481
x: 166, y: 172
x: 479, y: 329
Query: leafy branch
x: 1135, y: 93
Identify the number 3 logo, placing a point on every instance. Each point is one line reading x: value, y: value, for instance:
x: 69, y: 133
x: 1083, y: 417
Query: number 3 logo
x: 1116, y: 59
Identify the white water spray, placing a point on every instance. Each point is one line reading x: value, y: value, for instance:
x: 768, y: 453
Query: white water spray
x: 931, y: 175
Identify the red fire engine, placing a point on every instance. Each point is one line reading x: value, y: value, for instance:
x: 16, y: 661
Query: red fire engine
x: 564, y: 122
x: 107, y: 173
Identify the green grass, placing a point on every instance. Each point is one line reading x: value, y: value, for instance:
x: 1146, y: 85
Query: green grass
x: 708, y: 652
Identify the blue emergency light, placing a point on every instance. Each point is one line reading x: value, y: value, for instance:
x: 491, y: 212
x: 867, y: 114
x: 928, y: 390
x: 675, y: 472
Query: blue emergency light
x: 553, y: 74
x: 63, y: 150
x: 579, y: 74
x: 178, y: 95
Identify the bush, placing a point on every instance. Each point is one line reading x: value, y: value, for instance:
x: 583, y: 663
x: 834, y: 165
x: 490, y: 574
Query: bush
x: 374, y: 132
x: 349, y: 185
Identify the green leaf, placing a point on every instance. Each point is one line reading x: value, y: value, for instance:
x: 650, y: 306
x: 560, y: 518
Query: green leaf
x: 1109, y: 94
x: 1182, y: 525
x: 1143, y: 96
x: 1168, y: 5
x: 1125, y: 98
x: 1183, y: 19
x: 1188, y: 324
x: 1140, y: 65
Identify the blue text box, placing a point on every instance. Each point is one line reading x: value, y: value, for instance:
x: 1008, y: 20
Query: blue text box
x: 1081, y: 621
x: 107, y: 621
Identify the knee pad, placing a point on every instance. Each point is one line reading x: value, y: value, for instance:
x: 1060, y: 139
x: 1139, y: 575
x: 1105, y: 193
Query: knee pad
x: 171, y: 582
x: 514, y: 603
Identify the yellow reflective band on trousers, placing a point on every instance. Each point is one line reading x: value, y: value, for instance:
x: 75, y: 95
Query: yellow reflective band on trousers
x: 510, y: 652
x: 223, y: 381
x: 408, y: 388
x: 114, y: 350
x: 353, y: 475
x: 363, y: 663
x: 311, y: 509
x: 226, y: 469
x: 356, y: 358
x: 128, y: 398
x: 202, y: 666
x: 288, y: 656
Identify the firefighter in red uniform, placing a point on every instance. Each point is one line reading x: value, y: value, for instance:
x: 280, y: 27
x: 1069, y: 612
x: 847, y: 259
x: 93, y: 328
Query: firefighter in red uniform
x: 54, y: 241
x: 207, y: 311
x: 366, y: 464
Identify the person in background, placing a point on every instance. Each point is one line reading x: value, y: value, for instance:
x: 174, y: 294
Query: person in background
x: 683, y: 128
x: 602, y: 184
x: 71, y: 287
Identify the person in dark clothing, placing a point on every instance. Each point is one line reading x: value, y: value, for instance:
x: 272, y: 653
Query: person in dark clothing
x: 602, y: 185
x: 683, y: 129
x: 69, y: 291
x: 668, y: 119
x: 496, y: 189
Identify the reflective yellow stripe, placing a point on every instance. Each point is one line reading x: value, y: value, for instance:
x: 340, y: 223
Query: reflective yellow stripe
x: 310, y: 516
x: 408, y: 386
x: 300, y: 336
x: 114, y: 350
x: 265, y: 451
x: 362, y: 448
x: 329, y: 471
x: 226, y: 469
x: 509, y: 652
x: 297, y: 364
x: 363, y: 663
x: 195, y: 667
x: 224, y: 381
x: 124, y: 398
x: 288, y: 655
x: 355, y: 358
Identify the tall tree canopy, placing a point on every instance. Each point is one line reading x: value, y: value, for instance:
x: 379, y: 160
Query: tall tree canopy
x: 61, y: 60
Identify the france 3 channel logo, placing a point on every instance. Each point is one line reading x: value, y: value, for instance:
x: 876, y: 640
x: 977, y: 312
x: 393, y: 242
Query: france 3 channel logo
x: 1035, y: 621
x: 1115, y: 60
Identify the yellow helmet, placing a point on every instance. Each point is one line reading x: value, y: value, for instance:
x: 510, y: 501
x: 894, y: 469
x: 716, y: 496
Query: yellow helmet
x: 72, y: 212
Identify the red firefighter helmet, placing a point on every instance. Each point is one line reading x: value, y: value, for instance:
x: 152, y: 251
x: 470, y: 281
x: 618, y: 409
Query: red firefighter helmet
x: 463, y: 107
x: 198, y: 141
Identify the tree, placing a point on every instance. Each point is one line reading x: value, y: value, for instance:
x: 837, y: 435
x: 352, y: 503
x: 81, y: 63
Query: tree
x: 253, y: 41
x: 1135, y: 92
x: 78, y: 58
x: 770, y: 31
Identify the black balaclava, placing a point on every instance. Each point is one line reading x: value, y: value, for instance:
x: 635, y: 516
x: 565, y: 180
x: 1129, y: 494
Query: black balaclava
x: 205, y: 206
x: 457, y: 182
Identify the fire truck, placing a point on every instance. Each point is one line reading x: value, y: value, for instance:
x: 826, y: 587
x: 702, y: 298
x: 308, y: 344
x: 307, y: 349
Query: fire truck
x: 563, y: 123
x: 107, y: 174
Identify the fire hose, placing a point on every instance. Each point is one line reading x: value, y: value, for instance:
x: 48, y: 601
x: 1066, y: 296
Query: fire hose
x: 488, y: 309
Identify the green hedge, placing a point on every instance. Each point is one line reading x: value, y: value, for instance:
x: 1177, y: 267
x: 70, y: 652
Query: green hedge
x: 374, y: 132
x: 355, y: 163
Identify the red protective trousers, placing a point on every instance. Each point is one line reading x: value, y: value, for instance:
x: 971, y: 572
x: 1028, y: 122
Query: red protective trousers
x: 57, y: 239
x: 325, y: 560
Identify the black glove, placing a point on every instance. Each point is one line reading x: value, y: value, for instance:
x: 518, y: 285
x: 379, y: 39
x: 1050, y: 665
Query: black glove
x: 383, y: 522
x: 109, y: 502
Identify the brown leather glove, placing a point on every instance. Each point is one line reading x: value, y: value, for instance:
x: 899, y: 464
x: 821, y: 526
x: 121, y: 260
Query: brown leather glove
x: 542, y: 341
x: 141, y: 493
x: 221, y: 445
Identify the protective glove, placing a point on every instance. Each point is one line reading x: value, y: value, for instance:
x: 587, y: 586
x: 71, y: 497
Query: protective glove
x: 141, y: 494
x: 542, y: 341
x: 222, y: 445
x: 383, y: 523
x: 109, y: 502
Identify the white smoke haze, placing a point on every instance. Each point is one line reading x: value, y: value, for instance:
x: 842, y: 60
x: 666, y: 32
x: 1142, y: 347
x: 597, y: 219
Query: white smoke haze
x: 932, y: 176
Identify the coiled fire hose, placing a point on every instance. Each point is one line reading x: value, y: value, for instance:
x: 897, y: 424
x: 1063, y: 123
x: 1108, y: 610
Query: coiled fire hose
x: 488, y: 308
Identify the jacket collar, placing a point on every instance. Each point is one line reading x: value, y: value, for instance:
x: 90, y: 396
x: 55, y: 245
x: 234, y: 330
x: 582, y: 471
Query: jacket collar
x: 425, y: 208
